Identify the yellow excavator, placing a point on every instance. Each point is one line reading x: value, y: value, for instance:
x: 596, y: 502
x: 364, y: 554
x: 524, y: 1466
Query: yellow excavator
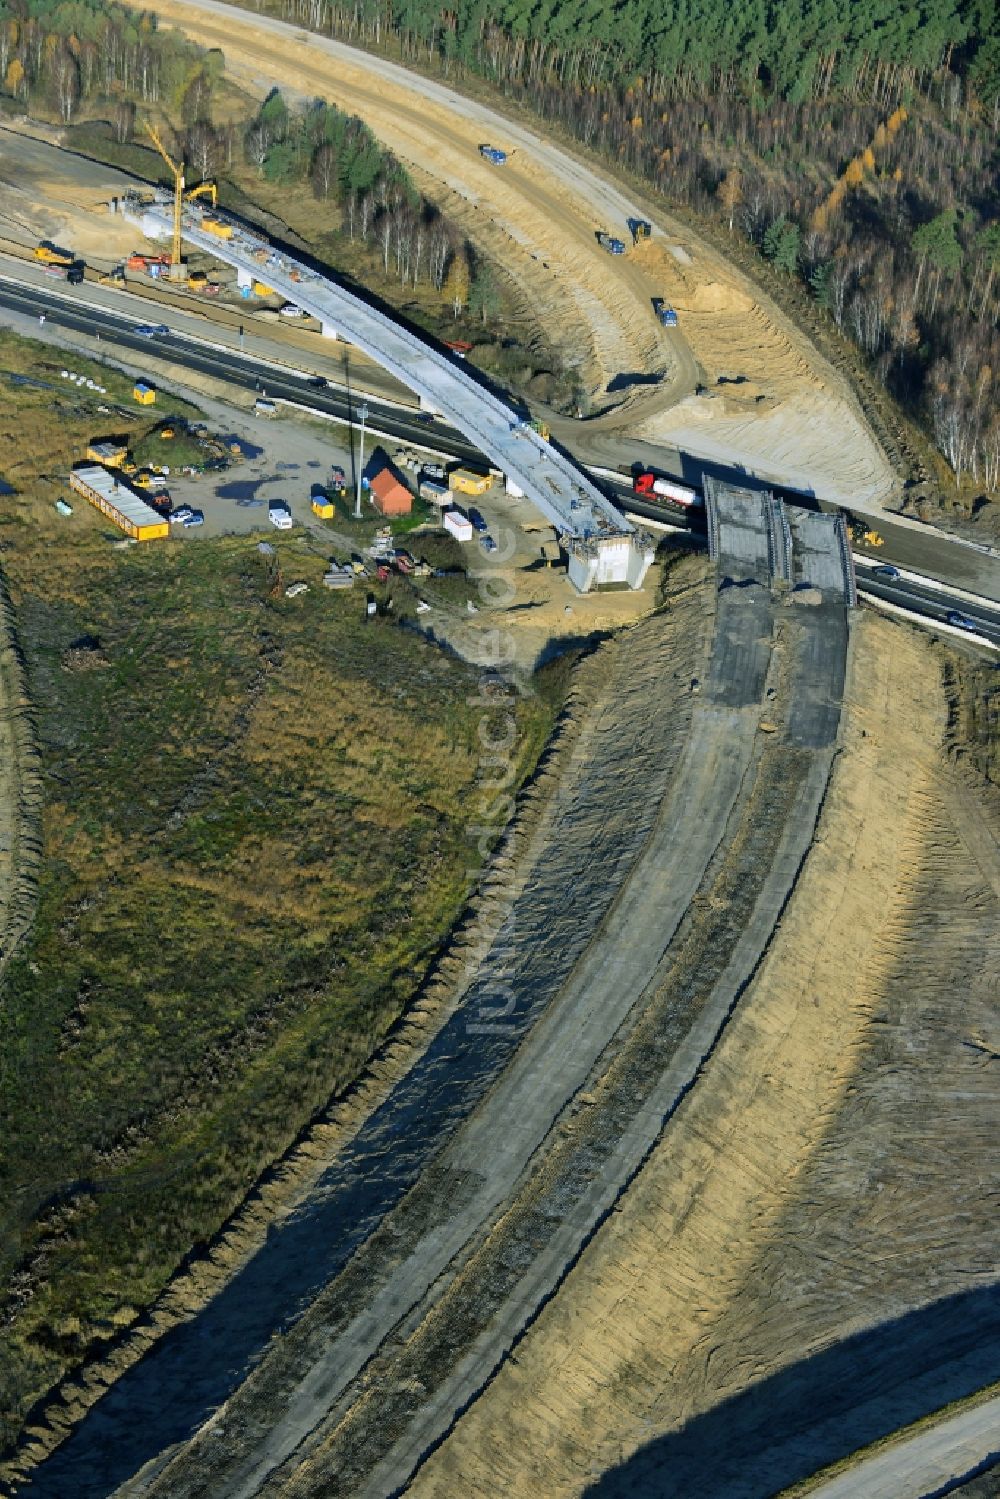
x: 204, y: 189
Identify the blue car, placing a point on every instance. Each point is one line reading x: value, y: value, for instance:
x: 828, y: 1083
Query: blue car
x: 885, y: 570
x: 961, y: 621
x: 196, y: 518
x: 478, y: 522
x: 152, y: 330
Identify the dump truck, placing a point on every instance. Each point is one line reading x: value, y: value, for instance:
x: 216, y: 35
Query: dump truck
x: 654, y: 485
x: 611, y: 244
x: 666, y: 315
x: 493, y: 155
x: 50, y: 254
x: 468, y: 481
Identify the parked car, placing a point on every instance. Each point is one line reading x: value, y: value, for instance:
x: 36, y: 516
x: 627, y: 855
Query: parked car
x: 478, y: 521
x: 961, y: 621
x: 181, y: 514
x: 196, y: 518
x: 487, y: 543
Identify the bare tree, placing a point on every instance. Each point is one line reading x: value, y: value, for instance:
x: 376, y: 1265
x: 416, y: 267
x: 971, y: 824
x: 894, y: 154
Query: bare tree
x: 203, y: 149
x: 123, y: 121
x: 324, y: 170
x: 65, y: 77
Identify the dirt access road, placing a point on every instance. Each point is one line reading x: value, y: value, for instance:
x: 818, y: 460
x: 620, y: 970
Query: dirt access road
x: 792, y: 420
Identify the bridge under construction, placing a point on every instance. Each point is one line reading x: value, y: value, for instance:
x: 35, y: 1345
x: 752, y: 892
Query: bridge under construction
x: 602, y: 545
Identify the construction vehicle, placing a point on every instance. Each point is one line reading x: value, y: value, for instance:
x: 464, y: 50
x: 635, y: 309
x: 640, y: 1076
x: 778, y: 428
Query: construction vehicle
x: 197, y: 281
x: 177, y: 172
x: 204, y: 189
x: 542, y: 428
x: 261, y: 290
x: 666, y: 315
x: 863, y: 535
x: 655, y: 486
x: 74, y: 273
x: 610, y: 243
x: 217, y: 227
x: 639, y: 229
x: 117, y: 273
x: 493, y: 155
x: 50, y: 254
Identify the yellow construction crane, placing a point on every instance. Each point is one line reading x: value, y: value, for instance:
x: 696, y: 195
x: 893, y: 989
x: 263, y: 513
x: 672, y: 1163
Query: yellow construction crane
x: 204, y: 187
x: 177, y: 173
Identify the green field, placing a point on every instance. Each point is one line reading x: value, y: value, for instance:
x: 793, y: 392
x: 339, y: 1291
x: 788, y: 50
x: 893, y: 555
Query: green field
x: 254, y: 843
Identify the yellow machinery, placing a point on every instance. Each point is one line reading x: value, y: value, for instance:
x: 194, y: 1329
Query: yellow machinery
x: 177, y: 172
x: 204, y: 189
x: 51, y: 254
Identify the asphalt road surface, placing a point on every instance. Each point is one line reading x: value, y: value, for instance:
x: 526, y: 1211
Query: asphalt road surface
x: 906, y: 544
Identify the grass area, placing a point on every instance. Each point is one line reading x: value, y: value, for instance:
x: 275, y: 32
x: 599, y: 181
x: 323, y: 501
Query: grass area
x: 254, y: 842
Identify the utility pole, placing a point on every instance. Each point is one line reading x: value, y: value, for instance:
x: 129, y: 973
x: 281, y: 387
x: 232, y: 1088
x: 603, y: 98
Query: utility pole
x: 363, y: 413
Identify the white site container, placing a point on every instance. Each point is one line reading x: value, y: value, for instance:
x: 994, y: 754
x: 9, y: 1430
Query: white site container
x: 459, y: 525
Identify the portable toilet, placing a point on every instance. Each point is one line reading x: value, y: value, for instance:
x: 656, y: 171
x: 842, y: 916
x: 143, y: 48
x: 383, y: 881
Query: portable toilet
x: 144, y: 393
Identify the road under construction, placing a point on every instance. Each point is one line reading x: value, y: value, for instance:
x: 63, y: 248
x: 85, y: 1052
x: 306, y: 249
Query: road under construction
x: 623, y: 934
x: 602, y: 545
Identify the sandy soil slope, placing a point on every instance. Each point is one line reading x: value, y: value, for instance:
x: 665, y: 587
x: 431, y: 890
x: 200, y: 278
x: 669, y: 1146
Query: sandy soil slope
x: 828, y: 1173
x: 49, y: 195
x: 539, y: 215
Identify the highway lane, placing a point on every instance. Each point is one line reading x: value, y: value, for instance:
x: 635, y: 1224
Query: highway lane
x: 241, y: 370
x: 930, y: 602
x: 949, y: 562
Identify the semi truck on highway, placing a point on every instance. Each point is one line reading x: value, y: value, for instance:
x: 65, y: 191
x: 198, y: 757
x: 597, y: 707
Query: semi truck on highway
x: 649, y: 484
x: 610, y: 243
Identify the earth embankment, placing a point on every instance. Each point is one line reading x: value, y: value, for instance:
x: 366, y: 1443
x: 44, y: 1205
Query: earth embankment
x: 824, y: 1182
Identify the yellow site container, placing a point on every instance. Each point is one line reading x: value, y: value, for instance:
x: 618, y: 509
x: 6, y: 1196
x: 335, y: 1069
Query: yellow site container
x: 323, y: 508
x: 143, y: 393
x: 217, y: 227
x: 260, y: 290
x: 111, y: 454
x: 467, y: 481
x: 197, y: 281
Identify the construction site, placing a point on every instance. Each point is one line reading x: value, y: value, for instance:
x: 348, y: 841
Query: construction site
x: 673, y: 1171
